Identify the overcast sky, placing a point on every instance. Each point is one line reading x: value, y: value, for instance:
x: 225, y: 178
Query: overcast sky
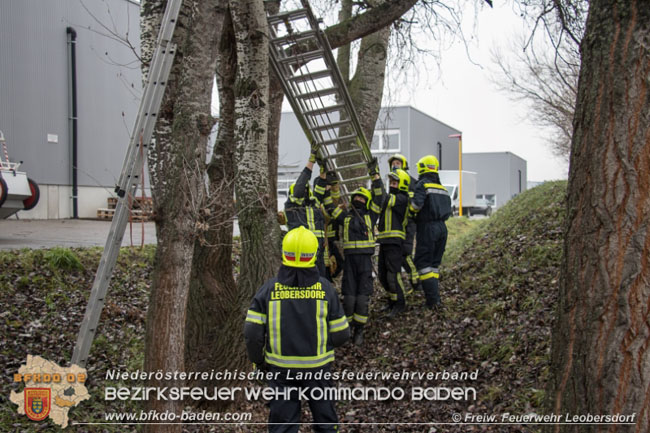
x: 463, y: 96
x: 466, y: 99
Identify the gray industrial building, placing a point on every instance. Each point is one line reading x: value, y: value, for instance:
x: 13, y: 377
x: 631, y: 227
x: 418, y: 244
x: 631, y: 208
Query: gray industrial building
x: 37, y: 46
x: 500, y: 176
x: 406, y: 130
x: 403, y: 129
x: 37, y: 85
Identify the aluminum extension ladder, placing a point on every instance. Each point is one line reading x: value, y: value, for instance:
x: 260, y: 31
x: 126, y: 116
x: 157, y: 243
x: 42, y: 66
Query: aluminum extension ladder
x: 154, y: 89
x: 302, y: 59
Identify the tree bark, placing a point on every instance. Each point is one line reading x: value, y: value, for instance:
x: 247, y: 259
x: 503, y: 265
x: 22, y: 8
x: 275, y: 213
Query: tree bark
x: 260, y: 232
x: 276, y: 97
x: 177, y: 175
x: 601, y: 339
x: 367, y: 85
x: 213, y: 334
x: 368, y: 22
x: 343, y: 53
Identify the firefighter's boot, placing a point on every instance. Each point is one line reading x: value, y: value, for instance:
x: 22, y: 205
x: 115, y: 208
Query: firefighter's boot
x: 358, y: 335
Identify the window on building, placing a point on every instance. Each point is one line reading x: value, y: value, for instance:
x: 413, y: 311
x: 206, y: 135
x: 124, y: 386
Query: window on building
x: 490, y: 198
x: 385, y: 140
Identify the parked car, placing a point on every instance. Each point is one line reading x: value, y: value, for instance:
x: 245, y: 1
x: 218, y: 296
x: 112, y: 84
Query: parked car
x: 482, y: 207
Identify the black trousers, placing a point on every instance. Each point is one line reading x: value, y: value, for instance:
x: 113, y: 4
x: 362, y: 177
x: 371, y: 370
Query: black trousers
x: 284, y: 416
x: 390, y: 264
x: 429, y: 249
x: 357, y: 287
x: 407, y: 247
x: 334, y: 251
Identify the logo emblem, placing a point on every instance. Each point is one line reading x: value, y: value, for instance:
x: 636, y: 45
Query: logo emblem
x: 37, y: 403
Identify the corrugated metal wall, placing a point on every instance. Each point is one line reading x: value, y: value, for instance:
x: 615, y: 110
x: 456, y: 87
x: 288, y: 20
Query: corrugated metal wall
x: 419, y: 135
x: 427, y: 132
x: 34, y: 86
x: 498, y: 173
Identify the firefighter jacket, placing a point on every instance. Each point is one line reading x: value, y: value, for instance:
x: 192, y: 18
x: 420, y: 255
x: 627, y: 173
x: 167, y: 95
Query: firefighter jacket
x: 410, y: 223
x: 393, y: 219
x: 303, y: 208
x: 359, y: 224
x: 295, y: 321
x: 331, y: 199
x: 431, y: 201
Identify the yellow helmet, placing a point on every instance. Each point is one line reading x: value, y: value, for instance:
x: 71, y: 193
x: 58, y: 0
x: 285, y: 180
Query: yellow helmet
x: 299, y: 248
x: 364, y: 193
x: 402, y: 177
x: 428, y: 164
x: 402, y: 158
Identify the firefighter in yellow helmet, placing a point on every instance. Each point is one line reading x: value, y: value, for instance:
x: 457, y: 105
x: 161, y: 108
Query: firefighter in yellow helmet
x: 391, y: 235
x: 358, y: 247
x: 432, y: 206
x: 293, y: 324
x: 303, y: 206
x: 399, y: 162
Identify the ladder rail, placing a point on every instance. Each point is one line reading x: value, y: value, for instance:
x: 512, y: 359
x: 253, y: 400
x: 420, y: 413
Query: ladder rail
x: 163, y: 44
x: 144, y: 125
x: 291, y: 54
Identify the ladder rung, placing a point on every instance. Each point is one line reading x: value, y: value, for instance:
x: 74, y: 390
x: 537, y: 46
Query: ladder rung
x: 339, y: 139
x: 354, y: 179
x: 345, y: 153
x: 294, y: 37
x: 355, y: 165
x: 324, y: 110
x: 287, y: 16
x: 303, y: 58
x: 318, y: 93
x: 333, y: 125
x: 325, y: 73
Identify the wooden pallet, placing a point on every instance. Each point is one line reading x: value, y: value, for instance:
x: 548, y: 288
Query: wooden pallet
x: 136, y: 215
x: 145, y: 203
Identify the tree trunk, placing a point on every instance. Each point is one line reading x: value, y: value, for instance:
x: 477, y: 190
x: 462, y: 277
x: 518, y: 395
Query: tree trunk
x: 343, y: 53
x: 276, y: 97
x: 260, y: 232
x: 177, y: 174
x: 213, y: 334
x: 601, y: 339
x: 367, y: 85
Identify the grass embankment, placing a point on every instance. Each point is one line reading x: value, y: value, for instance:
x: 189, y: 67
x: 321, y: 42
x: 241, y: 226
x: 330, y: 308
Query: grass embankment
x: 498, y: 281
x: 44, y: 294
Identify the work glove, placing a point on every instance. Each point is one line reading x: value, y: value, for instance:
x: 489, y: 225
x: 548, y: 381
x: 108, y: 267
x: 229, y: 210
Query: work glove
x: 315, y: 147
x: 373, y: 167
x: 332, y: 264
x: 321, y: 164
x: 263, y: 366
x: 282, y: 218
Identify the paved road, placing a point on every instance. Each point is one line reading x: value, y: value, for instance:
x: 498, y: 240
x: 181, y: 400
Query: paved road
x: 16, y: 234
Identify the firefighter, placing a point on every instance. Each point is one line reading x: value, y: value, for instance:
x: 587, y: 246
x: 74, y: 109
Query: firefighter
x: 294, y: 323
x: 391, y: 235
x: 303, y: 207
x: 331, y: 200
x: 432, y: 206
x: 358, y: 247
x: 397, y: 162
